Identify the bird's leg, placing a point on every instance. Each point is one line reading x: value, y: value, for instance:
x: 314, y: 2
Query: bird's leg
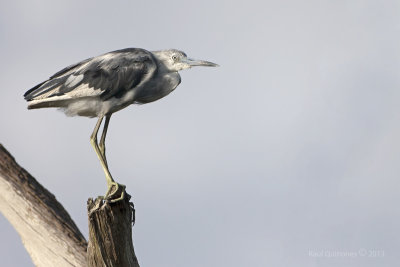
x: 93, y: 141
x: 102, y: 144
x: 110, y: 181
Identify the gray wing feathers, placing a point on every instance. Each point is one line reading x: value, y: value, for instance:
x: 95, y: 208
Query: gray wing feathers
x: 108, y: 75
x: 54, y: 81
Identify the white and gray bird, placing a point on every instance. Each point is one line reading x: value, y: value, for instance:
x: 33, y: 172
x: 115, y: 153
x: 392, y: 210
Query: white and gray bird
x: 102, y: 85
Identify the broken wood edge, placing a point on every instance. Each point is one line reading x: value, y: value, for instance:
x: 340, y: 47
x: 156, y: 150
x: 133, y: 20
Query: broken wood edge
x: 110, y: 233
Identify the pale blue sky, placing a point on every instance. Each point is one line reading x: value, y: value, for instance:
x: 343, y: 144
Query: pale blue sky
x: 290, y: 147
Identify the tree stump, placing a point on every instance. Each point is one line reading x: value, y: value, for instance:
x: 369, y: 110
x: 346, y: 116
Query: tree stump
x: 110, y: 233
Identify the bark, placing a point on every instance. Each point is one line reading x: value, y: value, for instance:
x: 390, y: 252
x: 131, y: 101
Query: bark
x: 49, y: 234
x: 110, y: 233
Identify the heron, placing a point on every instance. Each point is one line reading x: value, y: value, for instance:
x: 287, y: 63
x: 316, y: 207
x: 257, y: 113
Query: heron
x: 99, y: 86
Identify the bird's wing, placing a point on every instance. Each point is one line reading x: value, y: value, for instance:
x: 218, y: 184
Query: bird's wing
x: 108, y: 75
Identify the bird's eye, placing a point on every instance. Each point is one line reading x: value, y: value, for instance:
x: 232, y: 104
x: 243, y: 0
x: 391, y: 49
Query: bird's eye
x: 174, y: 58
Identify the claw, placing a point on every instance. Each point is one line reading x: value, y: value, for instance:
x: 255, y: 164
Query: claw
x: 114, y: 195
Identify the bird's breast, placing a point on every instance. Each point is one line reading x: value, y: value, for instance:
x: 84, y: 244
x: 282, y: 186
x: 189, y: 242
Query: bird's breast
x: 158, y: 87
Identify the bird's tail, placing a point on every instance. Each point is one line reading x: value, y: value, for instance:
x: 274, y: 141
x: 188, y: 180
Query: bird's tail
x: 51, y: 102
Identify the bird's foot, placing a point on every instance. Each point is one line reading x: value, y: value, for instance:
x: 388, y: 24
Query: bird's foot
x: 115, y: 192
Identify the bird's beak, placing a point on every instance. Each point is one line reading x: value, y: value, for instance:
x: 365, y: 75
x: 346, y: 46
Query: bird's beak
x: 193, y: 62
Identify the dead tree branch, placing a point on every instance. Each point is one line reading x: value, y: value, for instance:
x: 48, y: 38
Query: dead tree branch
x: 49, y: 234
x: 46, y: 229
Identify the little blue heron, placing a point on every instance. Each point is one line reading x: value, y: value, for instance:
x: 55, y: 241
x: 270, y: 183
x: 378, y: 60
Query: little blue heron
x: 102, y: 85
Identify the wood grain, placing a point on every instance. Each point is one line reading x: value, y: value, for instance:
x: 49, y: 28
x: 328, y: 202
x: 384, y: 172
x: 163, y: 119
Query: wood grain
x: 47, y: 231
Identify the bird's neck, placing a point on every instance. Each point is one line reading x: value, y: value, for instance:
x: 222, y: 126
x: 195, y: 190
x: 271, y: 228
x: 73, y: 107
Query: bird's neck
x: 163, y: 62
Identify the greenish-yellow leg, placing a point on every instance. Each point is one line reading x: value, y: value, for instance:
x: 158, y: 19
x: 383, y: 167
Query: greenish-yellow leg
x: 102, y: 144
x: 100, y: 152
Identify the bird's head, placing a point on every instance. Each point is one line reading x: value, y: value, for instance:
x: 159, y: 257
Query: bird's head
x: 175, y: 60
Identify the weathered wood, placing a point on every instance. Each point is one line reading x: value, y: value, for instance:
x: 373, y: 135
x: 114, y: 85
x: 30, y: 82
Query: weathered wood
x: 110, y: 233
x: 49, y: 234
